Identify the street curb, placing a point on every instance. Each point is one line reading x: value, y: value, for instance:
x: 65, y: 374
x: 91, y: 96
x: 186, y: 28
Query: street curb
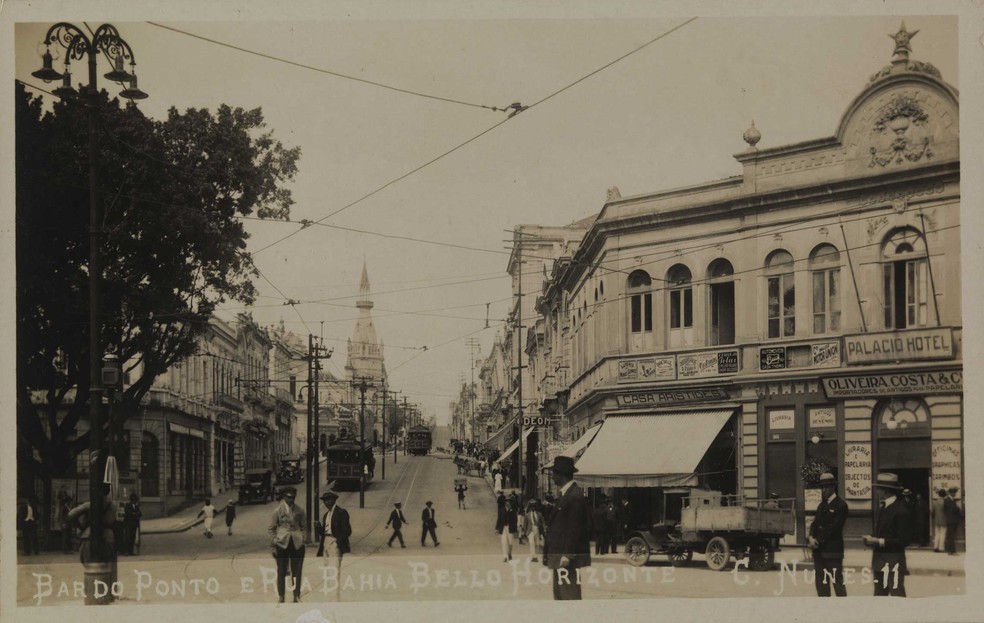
x: 182, y: 528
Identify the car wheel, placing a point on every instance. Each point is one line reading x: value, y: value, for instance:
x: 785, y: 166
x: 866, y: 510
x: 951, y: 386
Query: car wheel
x: 718, y: 553
x: 637, y: 551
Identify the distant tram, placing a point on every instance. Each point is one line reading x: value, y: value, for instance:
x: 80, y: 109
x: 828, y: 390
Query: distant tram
x: 344, y: 465
x: 418, y: 440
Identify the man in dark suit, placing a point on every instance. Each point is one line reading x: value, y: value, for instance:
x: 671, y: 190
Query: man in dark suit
x: 953, y: 514
x: 334, y: 530
x: 288, y: 531
x: 397, y: 519
x: 566, y: 547
x: 428, y: 524
x: 893, y: 532
x: 827, y: 539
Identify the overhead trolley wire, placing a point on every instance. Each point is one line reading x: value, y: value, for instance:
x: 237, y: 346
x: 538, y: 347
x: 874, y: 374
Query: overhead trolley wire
x: 479, y: 135
x: 329, y: 72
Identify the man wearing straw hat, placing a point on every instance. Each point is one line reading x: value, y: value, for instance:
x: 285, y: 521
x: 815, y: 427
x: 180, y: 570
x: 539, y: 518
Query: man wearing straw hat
x: 893, y: 532
x: 567, y: 545
x: 827, y: 539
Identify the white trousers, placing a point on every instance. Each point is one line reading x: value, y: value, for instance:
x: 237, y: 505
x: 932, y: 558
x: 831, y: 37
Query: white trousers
x: 333, y: 558
x: 533, y: 539
x: 507, y: 543
x: 939, y: 538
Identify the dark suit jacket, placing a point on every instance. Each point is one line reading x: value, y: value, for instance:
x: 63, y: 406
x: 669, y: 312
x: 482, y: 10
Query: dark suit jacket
x: 426, y: 519
x: 506, y: 521
x: 397, y: 519
x: 951, y: 511
x: 340, y: 528
x: 894, y: 524
x: 828, y: 526
x: 569, y: 531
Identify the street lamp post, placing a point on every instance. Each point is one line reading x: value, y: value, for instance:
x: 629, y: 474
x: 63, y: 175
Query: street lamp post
x: 77, y: 45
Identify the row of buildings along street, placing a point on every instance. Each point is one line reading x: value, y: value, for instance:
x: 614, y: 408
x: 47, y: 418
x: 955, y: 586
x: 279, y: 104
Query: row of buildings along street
x: 801, y: 316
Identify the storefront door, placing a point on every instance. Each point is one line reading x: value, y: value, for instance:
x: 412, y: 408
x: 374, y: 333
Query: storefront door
x: 904, y: 447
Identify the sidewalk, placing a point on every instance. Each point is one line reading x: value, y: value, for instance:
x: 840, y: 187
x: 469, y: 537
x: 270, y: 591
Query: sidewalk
x: 186, y: 519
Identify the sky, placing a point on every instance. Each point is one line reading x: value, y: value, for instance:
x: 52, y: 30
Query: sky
x: 671, y: 114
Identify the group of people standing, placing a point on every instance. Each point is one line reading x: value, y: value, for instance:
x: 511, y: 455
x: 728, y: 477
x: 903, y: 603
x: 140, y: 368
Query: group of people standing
x: 894, y: 529
x: 524, y: 525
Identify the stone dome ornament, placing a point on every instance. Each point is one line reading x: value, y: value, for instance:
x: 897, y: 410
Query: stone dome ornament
x: 752, y: 136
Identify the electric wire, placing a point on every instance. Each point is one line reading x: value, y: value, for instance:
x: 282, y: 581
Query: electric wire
x: 329, y: 72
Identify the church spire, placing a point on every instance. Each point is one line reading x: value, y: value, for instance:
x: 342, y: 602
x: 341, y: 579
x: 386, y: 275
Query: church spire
x: 364, y: 301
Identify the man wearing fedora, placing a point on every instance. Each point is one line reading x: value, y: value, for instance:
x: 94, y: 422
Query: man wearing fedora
x: 893, y: 532
x: 952, y: 514
x: 397, y: 519
x: 334, y: 530
x: 827, y: 539
x: 428, y: 525
x: 566, y: 547
x: 287, y: 535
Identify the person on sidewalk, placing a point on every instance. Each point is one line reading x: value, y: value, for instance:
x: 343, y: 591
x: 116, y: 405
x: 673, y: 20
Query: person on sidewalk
x: 939, y: 521
x: 566, y: 546
x: 534, y: 527
x: 497, y: 480
x: 827, y: 539
x: 893, y: 533
x: 287, y: 532
x: 27, y: 517
x: 397, y: 519
x: 208, y: 511
x: 65, y: 506
x: 230, y: 515
x: 461, y: 495
x: 506, y: 528
x: 953, y: 514
x: 429, y: 525
x: 335, y: 530
x: 131, y: 523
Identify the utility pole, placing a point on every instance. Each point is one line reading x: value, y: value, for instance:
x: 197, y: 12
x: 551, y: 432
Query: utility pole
x: 309, y: 481
x: 317, y: 424
x: 362, y: 386
x: 406, y: 423
x: 519, y: 361
x: 384, y: 431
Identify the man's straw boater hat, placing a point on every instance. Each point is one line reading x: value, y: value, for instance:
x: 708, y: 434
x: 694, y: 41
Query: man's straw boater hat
x: 826, y: 479
x: 888, y: 480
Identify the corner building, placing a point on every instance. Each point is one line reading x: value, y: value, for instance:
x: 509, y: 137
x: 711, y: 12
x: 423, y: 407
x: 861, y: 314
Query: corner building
x: 730, y: 333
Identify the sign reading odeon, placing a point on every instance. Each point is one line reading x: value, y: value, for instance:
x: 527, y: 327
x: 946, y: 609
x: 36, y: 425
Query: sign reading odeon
x: 893, y: 384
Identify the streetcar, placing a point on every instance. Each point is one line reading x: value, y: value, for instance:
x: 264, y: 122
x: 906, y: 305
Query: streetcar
x: 345, y: 469
x: 418, y: 440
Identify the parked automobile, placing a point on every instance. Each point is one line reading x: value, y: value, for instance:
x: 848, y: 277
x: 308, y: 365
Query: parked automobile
x: 290, y: 472
x: 258, y: 486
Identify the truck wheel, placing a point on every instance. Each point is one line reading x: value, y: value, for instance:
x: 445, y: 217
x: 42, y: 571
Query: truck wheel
x: 760, y: 556
x: 718, y: 553
x: 637, y: 551
x: 681, y: 557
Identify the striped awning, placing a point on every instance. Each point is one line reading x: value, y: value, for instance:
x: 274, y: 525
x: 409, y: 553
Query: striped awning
x: 515, y: 444
x: 498, y: 435
x: 576, y: 449
x: 652, y: 450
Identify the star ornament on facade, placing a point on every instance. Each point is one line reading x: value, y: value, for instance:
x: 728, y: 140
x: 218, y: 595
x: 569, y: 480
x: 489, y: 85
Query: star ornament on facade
x: 902, y: 39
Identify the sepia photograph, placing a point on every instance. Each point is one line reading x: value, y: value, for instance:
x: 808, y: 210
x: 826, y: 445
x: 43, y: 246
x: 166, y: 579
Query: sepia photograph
x: 651, y: 308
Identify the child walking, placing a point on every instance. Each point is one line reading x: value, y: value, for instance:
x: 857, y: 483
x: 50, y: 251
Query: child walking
x: 230, y: 515
x: 208, y: 511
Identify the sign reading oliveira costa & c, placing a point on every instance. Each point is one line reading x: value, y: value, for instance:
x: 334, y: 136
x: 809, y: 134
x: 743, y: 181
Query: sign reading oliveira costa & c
x: 916, y: 344
x: 873, y: 385
x: 673, y: 396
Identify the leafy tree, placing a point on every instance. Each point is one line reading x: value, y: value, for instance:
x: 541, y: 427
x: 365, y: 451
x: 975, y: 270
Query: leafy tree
x: 173, y: 247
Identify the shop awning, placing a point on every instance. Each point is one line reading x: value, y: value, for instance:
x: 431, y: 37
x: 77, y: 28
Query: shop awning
x: 499, y: 434
x: 655, y: 450
x: 184, y: 430
x: 577, y: 448
x: 515, y: 444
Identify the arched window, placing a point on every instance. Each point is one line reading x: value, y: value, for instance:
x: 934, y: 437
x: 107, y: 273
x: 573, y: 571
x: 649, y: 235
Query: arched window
x: 721, y: 289
x: 781, y: 294
x: 906, y: 277
x: 681, y: 301
x: 640, y: 309
x: 825, y: 273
